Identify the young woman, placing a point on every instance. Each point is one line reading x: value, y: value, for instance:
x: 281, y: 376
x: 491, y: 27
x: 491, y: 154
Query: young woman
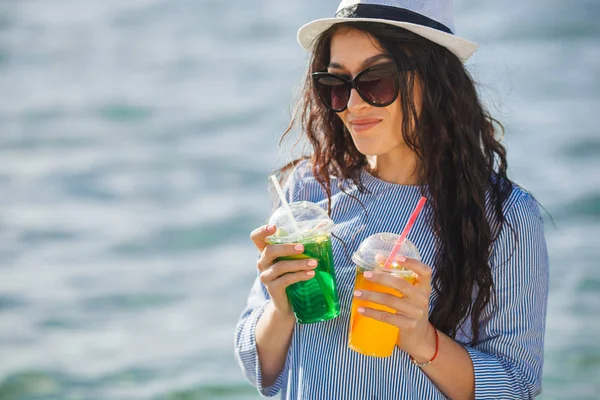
x: 392, y: 114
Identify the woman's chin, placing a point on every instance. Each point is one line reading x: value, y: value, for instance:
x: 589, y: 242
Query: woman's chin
x: 368, y: 149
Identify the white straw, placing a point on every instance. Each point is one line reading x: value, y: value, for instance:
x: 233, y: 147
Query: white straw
x: 284, y: 202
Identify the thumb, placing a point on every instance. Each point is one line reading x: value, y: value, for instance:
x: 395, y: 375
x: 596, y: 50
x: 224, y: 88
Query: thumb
x: 259, y: 235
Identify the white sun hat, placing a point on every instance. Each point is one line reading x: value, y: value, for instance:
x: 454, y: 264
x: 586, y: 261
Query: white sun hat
x: 431, y: 19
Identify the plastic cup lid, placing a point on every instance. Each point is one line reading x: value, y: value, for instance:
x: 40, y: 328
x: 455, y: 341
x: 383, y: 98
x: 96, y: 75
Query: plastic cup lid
x: 374, y: 251
x: 311, y: 219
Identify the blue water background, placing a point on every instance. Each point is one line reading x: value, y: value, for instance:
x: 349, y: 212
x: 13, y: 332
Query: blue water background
x: 136, y: 138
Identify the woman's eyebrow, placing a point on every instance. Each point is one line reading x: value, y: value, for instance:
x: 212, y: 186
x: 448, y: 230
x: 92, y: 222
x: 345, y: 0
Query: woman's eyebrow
x: 365, y: 63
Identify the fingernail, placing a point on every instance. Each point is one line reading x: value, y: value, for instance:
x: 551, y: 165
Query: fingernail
x: 299, y: 247
x: 310, y: 273
x: 270, y: 227
x: 361, y: 310
x: 358, y: 293
x: 312, y: 263
x: 368, y: 274
x: 401, y: 259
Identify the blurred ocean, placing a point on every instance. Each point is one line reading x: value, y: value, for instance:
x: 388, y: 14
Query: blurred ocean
x: 136, y: 138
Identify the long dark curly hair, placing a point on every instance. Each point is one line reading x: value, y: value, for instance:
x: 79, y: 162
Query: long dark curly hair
x: 461, y: 162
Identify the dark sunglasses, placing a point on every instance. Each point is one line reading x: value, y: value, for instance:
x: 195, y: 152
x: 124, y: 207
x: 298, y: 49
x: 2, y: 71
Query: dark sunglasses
x: 377, y: 85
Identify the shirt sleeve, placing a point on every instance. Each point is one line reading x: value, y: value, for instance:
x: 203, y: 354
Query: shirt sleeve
x: 245, y: 342
x: 508, y: 356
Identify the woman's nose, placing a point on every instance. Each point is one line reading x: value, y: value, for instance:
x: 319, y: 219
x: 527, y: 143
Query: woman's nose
x: 355, y: 102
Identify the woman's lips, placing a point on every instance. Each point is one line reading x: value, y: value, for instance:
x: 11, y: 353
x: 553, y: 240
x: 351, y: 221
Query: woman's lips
x: 361, y: 125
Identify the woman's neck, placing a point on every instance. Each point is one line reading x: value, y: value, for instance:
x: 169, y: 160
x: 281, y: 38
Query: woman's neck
x: 398, y: 166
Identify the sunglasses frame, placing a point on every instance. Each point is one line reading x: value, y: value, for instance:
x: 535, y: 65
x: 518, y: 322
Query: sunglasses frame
x: 350, y: 84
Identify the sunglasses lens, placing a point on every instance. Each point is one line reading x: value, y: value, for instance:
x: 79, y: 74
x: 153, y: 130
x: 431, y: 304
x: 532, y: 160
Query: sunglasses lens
x: 332, y: 91
x: 377, y: 86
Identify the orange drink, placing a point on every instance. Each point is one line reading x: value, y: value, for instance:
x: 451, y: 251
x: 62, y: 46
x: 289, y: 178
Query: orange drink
x: 367, y: 335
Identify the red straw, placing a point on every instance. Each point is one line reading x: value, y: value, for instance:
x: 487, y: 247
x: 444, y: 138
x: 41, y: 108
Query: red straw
x: 404, y: 234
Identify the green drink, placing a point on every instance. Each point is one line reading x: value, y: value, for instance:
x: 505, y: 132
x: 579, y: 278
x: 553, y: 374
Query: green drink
x: 314, y: 300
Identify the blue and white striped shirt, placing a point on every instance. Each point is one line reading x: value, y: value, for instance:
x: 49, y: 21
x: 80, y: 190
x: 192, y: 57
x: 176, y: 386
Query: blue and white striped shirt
x: 508, y: 357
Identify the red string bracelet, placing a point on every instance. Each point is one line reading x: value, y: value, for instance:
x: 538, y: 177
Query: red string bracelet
x: 437, y: 347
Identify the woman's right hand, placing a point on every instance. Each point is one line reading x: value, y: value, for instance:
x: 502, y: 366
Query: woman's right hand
x: 277, y: 276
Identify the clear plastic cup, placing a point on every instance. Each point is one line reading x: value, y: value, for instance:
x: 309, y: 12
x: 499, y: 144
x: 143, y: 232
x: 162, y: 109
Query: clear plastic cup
x: 316, y: 299
x: 366, y: 335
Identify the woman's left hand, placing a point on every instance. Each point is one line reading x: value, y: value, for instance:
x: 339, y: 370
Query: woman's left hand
x: 417, y: 336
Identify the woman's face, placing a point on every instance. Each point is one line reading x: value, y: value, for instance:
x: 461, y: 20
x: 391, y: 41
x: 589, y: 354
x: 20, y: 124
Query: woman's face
x: 375, y: 131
